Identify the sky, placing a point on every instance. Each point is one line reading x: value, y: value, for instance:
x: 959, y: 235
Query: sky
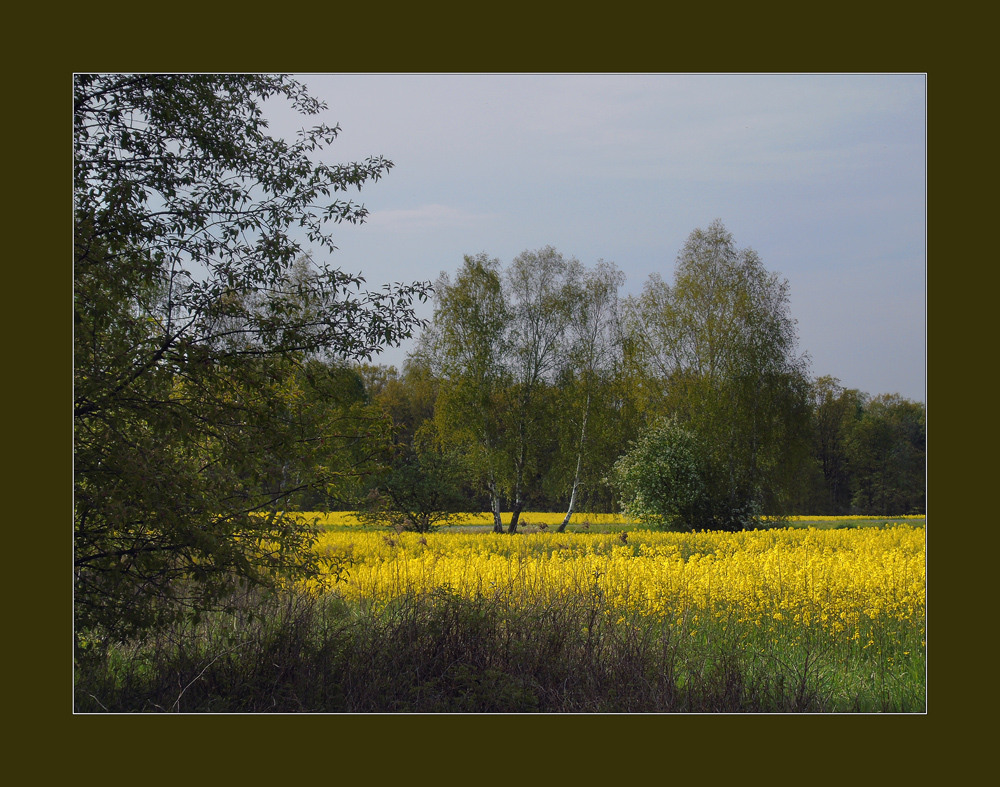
x: 823, y: 175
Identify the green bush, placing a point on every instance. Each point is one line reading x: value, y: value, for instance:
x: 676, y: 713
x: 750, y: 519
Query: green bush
x: 662, y: 480
x: 668, y: 479
x: 420, y: 492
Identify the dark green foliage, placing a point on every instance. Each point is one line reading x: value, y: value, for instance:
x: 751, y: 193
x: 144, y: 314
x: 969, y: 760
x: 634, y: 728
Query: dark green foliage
x: 835, y: 412
x: 870, y: 452
x: 200, y: 412
x: 419, y: 491
x: 886, y: 450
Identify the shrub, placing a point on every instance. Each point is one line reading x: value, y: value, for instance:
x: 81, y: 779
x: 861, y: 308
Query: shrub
x: 420, y: 492
x: 662, y: 479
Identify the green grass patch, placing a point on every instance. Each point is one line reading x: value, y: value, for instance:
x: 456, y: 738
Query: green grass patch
x: 440, y: 652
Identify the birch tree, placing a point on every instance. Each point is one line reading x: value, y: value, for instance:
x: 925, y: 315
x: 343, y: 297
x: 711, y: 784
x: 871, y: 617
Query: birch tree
x: 722, y: 346
x: 496, y: 341
x: 542, y: 295
x: 466, y: 347
x: 592, y: 351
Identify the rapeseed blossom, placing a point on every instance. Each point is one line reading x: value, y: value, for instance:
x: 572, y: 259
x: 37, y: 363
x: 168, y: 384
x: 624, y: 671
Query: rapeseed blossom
x: 789, y: 583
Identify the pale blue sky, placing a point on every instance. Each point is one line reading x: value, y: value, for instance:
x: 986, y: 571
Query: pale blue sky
x: 823, y: 175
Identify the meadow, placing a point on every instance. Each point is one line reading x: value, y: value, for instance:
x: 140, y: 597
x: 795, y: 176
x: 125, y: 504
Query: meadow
x: 799, y: 618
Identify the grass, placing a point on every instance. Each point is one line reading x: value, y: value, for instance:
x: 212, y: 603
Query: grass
x: 499, y: 651
x: 435, y: 654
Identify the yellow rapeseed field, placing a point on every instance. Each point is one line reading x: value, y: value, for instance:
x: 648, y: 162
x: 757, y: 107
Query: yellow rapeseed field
x: 843, y: 583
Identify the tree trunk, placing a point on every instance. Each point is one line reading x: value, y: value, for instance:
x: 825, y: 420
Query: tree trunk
x: 579, y: 462
x: 518, y: 504
x: 522, y: 459
x: 514, y: 517
x: 572, y: 497
x: 491, y: 486
x: 495, y: 504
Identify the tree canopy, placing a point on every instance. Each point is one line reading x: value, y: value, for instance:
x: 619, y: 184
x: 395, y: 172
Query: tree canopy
x: 723, y: 344
x: 207, y: 342
x: 662, y: 480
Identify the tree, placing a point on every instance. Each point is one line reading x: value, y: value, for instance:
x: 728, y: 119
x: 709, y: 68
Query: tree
x: 419, y: 492
x: 541, y: 296
x: 590, y: 358
x: 349, y: 437
x: 496, y: 342
x: 721, y: 346
x: 663, y: 479
x: 886, y: 450
x: 465, y: 346
x: 193, y: 329
x: 836, y: 410
x: 407, y: 398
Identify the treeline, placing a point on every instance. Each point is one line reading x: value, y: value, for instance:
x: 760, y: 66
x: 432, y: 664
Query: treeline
x: 531, y: 384
x: 865, y: 453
